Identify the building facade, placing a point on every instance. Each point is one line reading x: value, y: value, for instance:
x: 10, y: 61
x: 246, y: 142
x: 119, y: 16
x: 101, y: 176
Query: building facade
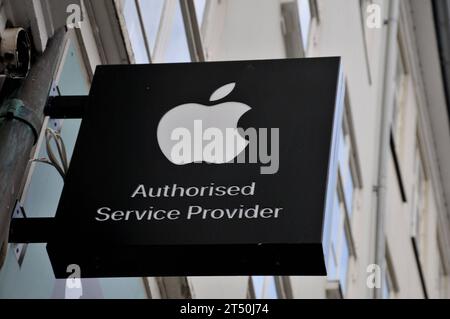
x: 389, y: 233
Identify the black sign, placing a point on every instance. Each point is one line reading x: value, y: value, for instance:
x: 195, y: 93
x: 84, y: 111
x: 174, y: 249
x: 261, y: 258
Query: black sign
x: 161, y: 184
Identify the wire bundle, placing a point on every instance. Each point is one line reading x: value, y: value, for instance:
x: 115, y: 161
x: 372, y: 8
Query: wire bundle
x: 61, y: 165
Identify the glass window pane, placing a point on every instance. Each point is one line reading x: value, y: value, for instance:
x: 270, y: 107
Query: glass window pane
x: 305, y: 20
x: 346, y: 173
x: 258, y: 286
x: 328, y: 227
x: 343, y: 151
x: 270, y: 291
x: 331, y: 265
x: 177, y: 49
x: 336, y: 223
x: 200, y: 11
x: 348, y: 188
x: 151, y: 15
x: 334, y: 240
x: 135, y: 33
x: 265, y: 287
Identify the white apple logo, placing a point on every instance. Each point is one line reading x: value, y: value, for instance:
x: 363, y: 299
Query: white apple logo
x: 203, y: 124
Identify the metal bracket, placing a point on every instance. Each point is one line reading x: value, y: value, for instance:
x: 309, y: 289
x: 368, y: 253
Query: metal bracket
x: 66, y: 107
x: 54, y: 123
x: 19, y: 248
x: 14, y: 109
x: 32, y: 230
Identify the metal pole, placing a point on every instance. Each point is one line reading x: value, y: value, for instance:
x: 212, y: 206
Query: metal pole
x: 386, y: 115
x: 16, y: 137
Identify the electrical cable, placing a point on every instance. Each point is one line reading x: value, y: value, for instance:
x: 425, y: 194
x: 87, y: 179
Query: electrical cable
x: 61, y: 165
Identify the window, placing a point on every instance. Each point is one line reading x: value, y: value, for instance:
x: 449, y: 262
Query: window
x: 345, y: 163
x: 298, y: 17
x: 175, y: 47
x: 156, y: 30
x: 339, y: 250
x: 200, y: 6
x: 132, y: 18
x: 348, y: 159
x: 264, y: 287
x: 337, y: 238
x: 152, y: 10
x: 305, y: 16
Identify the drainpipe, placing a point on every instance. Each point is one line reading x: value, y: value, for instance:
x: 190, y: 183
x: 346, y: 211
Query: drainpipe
x: 385, y: 125
x: 21, y: 118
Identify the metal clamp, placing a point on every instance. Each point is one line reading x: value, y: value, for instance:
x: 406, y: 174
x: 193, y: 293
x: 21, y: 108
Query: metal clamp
x: 15, y: 109
x: 19, y: 248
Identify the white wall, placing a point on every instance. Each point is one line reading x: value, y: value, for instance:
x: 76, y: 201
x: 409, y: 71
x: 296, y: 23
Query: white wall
x: 241, y: 30
x: 218, y: 287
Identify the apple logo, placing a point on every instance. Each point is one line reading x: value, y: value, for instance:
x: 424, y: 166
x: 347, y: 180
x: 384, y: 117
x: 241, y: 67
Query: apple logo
x: 186, y: 128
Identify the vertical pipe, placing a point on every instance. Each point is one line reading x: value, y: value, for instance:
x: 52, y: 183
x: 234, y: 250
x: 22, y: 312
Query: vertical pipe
x: 16, y: 138
x: 386, y: 115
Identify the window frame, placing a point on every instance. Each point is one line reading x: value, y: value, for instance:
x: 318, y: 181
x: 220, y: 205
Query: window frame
x: 278, y: 285
x: 305, y: 37
x: 339, y: 236
x: 347, y: 131
x: 291, y: 27
x: 193, y: 30
x: 156, y: 54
